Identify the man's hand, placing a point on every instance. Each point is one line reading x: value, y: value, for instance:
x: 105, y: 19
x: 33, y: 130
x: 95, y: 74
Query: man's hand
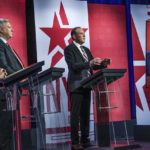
x: 3, y: 73
x: 95, y: 61
x: 106, y: 61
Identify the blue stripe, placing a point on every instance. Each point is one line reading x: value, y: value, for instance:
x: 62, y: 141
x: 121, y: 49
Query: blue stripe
x: 130, y: 60
x: 112, y: 2
x: 140, y: 2
x: 118, y: 2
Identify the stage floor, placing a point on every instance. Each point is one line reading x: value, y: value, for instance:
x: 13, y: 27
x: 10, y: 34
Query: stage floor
x: 143, y: 146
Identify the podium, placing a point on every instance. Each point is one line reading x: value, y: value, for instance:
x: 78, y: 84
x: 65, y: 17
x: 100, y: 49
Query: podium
x: 36, y: 91
x: 10, y: 87
x: 28, y: 79
x: 105, y: 134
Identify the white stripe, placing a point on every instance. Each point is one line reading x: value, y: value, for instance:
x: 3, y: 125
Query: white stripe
x: 139, y: 63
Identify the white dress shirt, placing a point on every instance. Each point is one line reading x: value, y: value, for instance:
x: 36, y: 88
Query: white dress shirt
x: 3, y: 40
x: 78, y: 46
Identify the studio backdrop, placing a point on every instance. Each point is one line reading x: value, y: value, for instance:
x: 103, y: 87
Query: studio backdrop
x: 105, y: 31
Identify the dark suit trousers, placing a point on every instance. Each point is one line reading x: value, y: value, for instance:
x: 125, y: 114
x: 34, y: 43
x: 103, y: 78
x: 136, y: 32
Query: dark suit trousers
x: 6, y: 128
x: 80, y: 113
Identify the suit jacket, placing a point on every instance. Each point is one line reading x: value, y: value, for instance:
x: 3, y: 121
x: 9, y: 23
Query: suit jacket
x: 78, y: 68
x: 8, y: 60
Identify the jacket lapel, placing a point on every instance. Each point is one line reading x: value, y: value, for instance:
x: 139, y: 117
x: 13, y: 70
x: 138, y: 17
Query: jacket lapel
x: 77, y: 51
x: 10, y: 54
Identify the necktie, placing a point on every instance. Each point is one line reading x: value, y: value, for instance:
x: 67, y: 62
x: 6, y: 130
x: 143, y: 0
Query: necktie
x: 16, y: 55
x: 84, y: 54
x: 85, y: 58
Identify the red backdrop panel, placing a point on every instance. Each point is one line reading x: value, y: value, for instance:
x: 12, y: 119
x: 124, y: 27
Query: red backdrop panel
x: 107, y: 24
x: 14, y: 11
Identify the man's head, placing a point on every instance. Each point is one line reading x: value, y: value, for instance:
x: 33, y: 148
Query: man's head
x: 5, y: 29
x: 78, y: 35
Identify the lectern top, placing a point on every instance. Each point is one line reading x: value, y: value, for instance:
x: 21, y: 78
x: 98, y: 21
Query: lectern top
x: 45, y: 76
x: 108, y: 74
x: 22, y: 74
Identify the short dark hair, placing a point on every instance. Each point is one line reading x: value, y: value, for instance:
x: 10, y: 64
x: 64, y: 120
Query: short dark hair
x: 73, y: 31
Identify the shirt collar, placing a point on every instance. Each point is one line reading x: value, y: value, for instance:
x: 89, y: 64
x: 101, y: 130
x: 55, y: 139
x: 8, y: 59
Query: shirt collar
x: 77, y: 44
x: 3, y: 40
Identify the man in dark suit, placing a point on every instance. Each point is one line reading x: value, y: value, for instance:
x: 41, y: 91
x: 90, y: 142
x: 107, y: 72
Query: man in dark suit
x: 80, y: 65
x: 9, y: 61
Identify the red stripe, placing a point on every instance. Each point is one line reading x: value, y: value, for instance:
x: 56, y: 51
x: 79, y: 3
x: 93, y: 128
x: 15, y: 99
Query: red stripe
x: 68, y: 95
x: 50, y: 144
x: 47, y: 98
x: 50, y: 89
x: 56, y: 96
x: 58, y: 130
x: 63, y: 15
x: 148, y: 13
x: 146, y: 91
x: 56, y: 58
x: 60, y: 136
x: 57, y: 103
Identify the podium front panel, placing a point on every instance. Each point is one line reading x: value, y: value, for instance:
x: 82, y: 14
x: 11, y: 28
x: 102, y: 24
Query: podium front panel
x: 44, y: 103
x: 107, y: 96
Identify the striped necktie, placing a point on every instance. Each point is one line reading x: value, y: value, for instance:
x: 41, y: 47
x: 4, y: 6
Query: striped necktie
x: 84, y: 54
x: 85, y: 58
x: 16, y: 55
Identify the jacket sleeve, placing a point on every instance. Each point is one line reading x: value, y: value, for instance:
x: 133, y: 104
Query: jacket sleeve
x: 72, y: 64
x: 3, y: 61
x: 96, y: 67
x: 102, y: 66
